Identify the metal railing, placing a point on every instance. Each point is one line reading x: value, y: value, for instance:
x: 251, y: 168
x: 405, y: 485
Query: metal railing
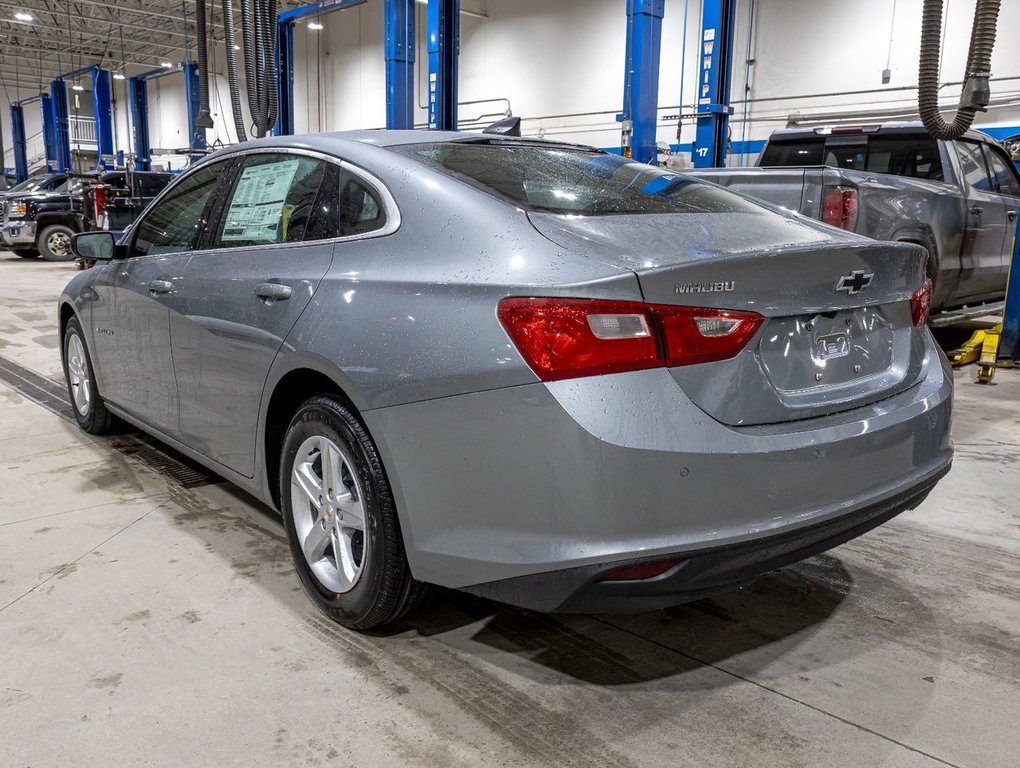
x: 82, y: 130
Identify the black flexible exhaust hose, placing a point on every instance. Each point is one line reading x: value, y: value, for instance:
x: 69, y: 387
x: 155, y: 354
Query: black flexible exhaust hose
x: 976, y: 93
x: 235, y: 94
x: 258, y: 26
x: 204, y: 119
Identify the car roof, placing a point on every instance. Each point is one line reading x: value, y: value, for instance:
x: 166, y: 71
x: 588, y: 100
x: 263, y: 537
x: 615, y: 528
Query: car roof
x: 865, y: 129
x: 341, y: 143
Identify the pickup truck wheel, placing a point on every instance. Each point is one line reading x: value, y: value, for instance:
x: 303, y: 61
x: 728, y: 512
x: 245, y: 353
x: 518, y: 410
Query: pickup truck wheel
x: 55, y: 243
x: 26, y: 254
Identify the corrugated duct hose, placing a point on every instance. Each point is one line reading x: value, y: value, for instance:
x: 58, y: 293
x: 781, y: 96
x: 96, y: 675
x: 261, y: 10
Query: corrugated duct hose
x: 258, y: 27
x: 235, y: 94
x: 204, y: 119
x: 976, y: 93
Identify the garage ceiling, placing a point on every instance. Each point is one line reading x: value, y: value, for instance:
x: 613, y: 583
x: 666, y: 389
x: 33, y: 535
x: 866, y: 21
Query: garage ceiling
x: 64, y: 36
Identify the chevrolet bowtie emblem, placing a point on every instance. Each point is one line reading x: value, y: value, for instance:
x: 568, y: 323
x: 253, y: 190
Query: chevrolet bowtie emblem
x: 855, y: 282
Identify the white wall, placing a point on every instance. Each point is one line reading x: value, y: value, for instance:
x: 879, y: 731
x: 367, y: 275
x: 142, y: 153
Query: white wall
x: 560, y: 65
x: 565, y: 58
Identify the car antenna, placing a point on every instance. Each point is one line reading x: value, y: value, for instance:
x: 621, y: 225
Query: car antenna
x: 507, y: 126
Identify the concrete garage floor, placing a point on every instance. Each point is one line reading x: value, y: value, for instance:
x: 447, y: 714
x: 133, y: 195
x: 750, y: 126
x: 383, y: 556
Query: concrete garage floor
x: 143, y: 622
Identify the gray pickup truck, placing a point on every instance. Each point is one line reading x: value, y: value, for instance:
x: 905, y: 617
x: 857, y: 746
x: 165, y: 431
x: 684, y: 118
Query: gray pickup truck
x: 958, y: 199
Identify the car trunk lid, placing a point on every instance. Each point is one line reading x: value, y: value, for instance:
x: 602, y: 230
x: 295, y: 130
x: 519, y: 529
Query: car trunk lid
x: 837, y: 333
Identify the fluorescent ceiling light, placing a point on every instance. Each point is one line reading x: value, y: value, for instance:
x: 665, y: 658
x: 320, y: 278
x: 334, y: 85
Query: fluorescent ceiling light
x: 77, y: 87
x: 166, y: 64
x: 22, y: 16
x: 118, y: 75
x: 314, y: 25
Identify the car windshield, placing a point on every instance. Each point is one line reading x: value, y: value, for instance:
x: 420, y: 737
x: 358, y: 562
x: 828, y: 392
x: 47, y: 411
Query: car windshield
x: 573, y: 180
x: 31, y: 185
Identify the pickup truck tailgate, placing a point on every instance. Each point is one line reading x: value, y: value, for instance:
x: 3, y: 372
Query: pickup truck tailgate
x: 796, y: 189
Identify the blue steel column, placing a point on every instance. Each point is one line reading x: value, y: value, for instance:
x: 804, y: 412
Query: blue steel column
x: 49, y: 131
x: 444, y: 47
x: 61, y: 126
x: 716, y: 56
x: 18, y: 143
x: 1009, y: 342
x: 196, y: 135
x: 641, y: 79
x: 102, y: 107
x: 138, y: 97
x: 399, y: 34
x: 285, y: 74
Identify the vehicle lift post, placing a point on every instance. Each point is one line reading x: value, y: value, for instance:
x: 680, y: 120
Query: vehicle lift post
x: 399, y: 33
x: 102, y: 110
x: 285, y: 22
x: 715, y: 52
x: 640, y: 114
x: 19, y: 144
x: 138, y: 96
x: 443, y: 35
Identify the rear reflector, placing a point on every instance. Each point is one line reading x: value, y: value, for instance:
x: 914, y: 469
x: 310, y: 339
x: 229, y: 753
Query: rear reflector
x: 920, y: 303
x: 570, y: 338
x: 639, y: 572
x: 839, y: 207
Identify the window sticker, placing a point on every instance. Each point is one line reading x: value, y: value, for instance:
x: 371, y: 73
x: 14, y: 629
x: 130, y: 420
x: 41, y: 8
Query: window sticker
x: 256, y: 210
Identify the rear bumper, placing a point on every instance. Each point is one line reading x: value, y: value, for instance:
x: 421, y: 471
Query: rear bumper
x: 700, y: 572
x: 541, y: 479
x: 18, y: 233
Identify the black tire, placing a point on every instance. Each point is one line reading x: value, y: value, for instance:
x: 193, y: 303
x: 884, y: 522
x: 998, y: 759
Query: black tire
x: 52, y: 242
x: 26, y: 254
x: 94, y: 418
x: 384, y: 590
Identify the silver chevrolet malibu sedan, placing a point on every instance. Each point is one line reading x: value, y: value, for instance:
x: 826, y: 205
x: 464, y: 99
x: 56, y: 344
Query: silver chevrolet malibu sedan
x: 529, y: 370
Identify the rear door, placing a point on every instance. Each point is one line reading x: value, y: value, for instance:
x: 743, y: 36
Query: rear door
x: 982, y: 256
x: 242, y: 293
x: 1007, y: 183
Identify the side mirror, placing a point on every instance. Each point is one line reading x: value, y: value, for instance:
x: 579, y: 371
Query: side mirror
x: 93, y: 246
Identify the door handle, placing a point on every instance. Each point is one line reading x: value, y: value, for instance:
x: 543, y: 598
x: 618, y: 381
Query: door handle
x: 273, y: 291
x: 1012, y: 215
x: 976, y: 210
x: 157, y: 287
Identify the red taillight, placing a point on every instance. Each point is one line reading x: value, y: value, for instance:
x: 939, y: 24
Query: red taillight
x: 695, y: 335
x: 920, y: 303
x: 839, y: 207
x: 570, y: 338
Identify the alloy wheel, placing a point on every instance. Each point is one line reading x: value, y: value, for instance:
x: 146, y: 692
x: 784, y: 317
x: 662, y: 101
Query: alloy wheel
x: 329, y: 514
x: 78, y: 374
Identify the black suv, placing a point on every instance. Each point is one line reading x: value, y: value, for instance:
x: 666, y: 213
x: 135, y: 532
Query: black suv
x: 41, y: 221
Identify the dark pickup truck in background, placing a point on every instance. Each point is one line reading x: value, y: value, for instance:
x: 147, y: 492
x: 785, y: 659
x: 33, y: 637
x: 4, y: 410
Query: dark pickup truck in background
x: 41, y: 221
x: 958, y: 199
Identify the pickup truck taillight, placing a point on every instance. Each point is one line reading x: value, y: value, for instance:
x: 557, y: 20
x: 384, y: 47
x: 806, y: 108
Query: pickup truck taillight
x: 839, y: 207
x: 920, y: 303
x: 564, y: 338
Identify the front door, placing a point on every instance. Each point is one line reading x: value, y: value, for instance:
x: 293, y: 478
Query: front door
x: 134, y: 300
x: 243, y: 292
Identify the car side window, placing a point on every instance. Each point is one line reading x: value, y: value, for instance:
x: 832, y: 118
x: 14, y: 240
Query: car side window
x: 1003, y: 173
x: 360, y: 208
x: 273, y: 201
x: 175, y: 221
x: 972, y: 161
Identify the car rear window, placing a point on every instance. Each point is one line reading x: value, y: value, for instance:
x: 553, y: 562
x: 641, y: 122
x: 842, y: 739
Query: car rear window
x: 561, y: 179
x: 913, y: 155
